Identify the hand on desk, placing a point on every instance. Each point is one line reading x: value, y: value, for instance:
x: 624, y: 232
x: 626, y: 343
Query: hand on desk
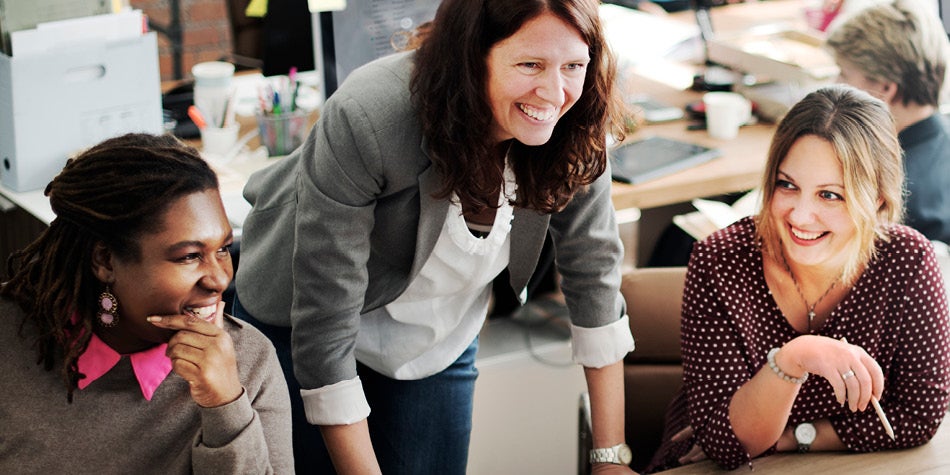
x: 696, y: 453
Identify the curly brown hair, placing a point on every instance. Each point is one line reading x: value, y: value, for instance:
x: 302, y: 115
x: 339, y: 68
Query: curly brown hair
x: 449, y: 89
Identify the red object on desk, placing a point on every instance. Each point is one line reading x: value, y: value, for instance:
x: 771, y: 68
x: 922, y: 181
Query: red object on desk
x: 196, y: 117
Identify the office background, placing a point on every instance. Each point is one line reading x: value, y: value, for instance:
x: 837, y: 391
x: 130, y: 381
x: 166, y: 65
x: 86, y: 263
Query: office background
x: 210, y: 30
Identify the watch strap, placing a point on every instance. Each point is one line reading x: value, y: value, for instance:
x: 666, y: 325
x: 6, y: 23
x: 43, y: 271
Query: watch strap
x: 619, y: 454
x: 604, y: 455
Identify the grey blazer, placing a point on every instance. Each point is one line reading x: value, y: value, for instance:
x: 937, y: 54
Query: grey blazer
x: 342, y: 225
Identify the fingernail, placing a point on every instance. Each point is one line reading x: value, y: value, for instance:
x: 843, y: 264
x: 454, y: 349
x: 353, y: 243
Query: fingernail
x: 154, y: 319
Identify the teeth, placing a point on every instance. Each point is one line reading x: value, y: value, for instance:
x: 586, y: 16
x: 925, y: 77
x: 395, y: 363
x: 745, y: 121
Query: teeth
x: 806, y: 235
x: 536, y: 114
x: 201, y: 312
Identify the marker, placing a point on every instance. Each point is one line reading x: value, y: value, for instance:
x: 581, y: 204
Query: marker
x: 196, y: 117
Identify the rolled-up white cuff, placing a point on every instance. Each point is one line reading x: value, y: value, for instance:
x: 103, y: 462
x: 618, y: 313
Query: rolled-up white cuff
x: 336, y: 404
x: 602, y: 346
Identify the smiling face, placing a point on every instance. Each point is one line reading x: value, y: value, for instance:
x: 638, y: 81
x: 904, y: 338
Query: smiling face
x: 184, y: 268
x: 534, y: 77
x: 808, y: 206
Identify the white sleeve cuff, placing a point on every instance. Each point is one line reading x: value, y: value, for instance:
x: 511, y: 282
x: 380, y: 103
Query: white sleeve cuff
x: 601, y: 346
x: 336, y: 404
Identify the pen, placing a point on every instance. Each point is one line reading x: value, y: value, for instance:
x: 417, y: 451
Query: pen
x: 294, y: 86
x: 226, y: 116
x: 276, y: 109
x: 880, y: 412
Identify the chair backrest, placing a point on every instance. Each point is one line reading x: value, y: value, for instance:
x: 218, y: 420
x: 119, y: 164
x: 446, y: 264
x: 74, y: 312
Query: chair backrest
x: 654, y: 299
x: 653, y: 373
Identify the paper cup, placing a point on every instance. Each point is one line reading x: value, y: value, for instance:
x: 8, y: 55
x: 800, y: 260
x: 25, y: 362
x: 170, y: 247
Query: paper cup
x: 212, y: 90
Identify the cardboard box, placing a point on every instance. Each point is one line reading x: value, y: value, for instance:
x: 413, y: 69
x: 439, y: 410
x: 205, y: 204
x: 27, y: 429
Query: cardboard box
x: 55, y: 104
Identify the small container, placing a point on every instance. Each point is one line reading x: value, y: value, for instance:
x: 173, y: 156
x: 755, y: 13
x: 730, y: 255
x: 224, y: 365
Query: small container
x: 219, y: 141
x: 283, y: 133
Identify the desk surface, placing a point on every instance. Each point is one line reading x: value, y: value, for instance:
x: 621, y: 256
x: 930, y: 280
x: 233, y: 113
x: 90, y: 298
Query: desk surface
x: 743, y: 159
x: 738, y: 169
x: 929, y: 458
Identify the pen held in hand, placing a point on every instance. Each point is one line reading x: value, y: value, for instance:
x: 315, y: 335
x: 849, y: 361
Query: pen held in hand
x: 883, y: 418
x: 880, y: 412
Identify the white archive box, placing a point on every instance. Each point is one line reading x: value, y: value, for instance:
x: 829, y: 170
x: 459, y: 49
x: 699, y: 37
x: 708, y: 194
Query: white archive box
x: 58, y: 102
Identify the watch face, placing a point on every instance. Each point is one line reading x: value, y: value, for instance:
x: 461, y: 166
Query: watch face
x: 624, y: 454
x: 805, y: 433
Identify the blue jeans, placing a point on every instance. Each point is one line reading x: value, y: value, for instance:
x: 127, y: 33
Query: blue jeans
x: 417, y: 426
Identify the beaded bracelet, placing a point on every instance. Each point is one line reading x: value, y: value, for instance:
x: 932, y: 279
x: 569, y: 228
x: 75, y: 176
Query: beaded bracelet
x: 780, y: 373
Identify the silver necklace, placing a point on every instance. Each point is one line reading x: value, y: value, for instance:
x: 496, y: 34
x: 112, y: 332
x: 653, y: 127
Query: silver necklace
x: 810, y: 308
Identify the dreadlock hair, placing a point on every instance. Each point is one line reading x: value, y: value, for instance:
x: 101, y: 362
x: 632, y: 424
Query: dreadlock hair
x: 448, y: 87
x: 113, y: 193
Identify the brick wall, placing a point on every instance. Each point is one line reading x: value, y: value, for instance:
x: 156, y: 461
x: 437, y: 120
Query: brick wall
x: 206, y: 31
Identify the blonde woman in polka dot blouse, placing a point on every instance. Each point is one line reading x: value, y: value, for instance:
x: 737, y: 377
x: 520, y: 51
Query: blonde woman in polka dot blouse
x: 797, y: 318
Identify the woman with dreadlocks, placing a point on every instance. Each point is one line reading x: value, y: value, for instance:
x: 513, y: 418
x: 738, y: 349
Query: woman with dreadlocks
x: 115, y: 351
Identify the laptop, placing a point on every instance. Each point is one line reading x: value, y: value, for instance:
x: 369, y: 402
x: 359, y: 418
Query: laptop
x: 654, y: 157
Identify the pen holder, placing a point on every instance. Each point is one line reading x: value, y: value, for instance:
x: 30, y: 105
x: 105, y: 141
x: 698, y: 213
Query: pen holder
x: 219, y: 140
x: 283, y: 133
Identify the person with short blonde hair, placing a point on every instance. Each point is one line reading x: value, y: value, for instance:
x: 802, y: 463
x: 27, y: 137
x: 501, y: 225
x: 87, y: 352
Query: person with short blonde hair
x: 898, y: 52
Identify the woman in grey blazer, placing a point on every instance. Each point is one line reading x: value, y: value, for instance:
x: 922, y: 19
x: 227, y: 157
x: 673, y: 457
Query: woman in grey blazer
x: 369, y: 253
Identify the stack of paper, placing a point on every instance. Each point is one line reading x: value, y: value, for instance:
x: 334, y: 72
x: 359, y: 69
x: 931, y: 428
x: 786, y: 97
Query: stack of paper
x: 637, y: 37
x: 95, y: 29
x: 17, y: 15
x: 712, y: 216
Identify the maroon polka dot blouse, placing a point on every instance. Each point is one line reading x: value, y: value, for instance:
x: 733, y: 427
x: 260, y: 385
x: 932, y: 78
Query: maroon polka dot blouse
x: 897, y: 311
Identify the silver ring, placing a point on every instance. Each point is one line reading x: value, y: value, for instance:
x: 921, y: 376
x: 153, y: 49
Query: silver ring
x: 847, y: 375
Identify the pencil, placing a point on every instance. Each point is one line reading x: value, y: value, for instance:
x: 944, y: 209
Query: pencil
x: 880, y: 412
x: 883, y: 418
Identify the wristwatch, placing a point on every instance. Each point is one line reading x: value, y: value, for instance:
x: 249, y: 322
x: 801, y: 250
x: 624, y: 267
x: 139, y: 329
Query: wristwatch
x: 619, y: 454
x: 805, y: 435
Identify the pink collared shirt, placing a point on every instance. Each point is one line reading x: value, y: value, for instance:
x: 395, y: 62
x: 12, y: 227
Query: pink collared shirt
x: 151, y: 366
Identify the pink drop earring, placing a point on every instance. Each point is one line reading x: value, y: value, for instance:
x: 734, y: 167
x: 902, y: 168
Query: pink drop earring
x: 108, y: 309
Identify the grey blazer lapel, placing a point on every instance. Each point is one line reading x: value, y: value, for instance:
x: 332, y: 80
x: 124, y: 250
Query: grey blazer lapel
x: 432, y: 213
x: 527, y: 238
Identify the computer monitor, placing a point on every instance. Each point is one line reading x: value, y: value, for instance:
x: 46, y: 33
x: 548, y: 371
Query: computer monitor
x: 345, y: 40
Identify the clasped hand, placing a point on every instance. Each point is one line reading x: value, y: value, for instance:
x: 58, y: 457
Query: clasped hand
x: 202, y: 353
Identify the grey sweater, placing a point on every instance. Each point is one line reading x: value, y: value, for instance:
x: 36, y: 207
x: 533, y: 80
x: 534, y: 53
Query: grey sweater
x: 111, y: 428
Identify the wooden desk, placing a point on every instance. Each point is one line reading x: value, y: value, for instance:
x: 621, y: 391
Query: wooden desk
x: 928, y: 458
x: 739, y: 168
x: 743, y: 159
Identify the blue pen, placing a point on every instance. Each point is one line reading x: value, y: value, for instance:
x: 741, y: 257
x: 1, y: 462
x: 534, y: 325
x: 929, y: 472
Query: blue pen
x: 276, y: 103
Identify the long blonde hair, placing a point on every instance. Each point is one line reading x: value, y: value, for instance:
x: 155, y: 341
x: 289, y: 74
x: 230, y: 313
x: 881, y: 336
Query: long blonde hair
x: 861, y: 131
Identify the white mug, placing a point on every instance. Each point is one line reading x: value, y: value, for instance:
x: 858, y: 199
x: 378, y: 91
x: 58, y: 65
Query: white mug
x: 725, y: 113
